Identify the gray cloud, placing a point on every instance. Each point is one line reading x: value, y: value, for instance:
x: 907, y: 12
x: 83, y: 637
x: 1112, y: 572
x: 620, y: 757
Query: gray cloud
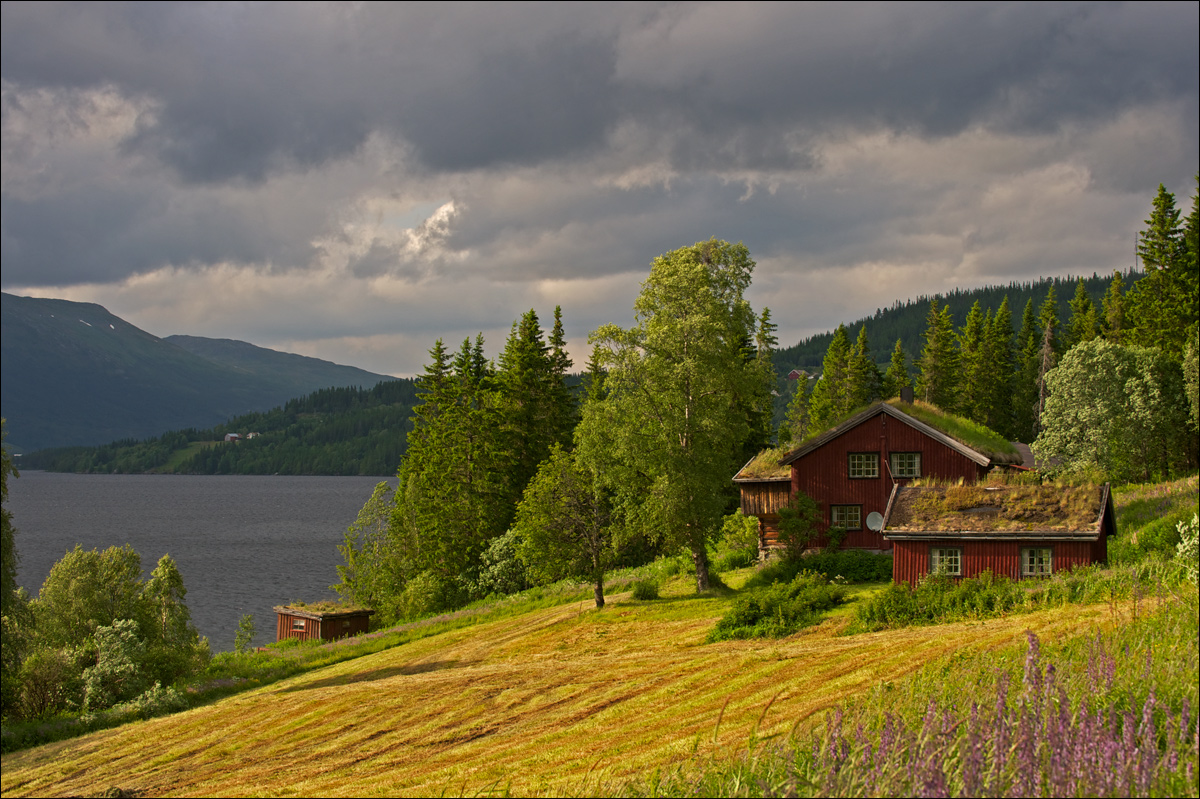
x: 574, y: 143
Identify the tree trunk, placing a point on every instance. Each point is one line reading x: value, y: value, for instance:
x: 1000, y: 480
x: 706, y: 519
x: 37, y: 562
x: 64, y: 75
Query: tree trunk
x: 700, y: 558
x: 599, y: 589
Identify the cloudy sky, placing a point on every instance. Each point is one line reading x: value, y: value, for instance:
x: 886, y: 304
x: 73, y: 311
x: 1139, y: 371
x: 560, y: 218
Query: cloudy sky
x: 355, y: 181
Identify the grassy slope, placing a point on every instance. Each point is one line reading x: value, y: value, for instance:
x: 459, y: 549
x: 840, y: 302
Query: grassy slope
x: 554, y: 700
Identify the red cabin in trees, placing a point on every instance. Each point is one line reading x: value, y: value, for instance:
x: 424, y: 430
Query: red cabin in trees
x: 851, y: 469
x: 1014, y: 531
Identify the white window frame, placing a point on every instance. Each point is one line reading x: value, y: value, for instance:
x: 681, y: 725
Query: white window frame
x: 946, y: 560
x: 845, y: 522
x: 1037, y: 561
x: 911, y: 470
x: 866, y: 464
x: 298, y: 625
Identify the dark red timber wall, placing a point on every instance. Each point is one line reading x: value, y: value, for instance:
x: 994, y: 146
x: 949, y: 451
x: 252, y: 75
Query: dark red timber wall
x: 911, y: 558
x: 824, y: 473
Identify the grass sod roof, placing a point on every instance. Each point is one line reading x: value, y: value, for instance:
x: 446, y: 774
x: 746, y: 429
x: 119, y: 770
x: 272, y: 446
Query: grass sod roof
x: 765, y: 466
x: 987, y: 444
x: 323, y: 609
x: 1075, y: 511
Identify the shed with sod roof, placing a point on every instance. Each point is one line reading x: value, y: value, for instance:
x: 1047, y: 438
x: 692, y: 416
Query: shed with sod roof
x: 324, y: 620
x: 851, y: 469
x: 765, y: 486
x: 1010, y: 530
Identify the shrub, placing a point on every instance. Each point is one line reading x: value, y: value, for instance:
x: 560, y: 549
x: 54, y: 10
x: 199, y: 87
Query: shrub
x: 1188, y: 549
x: 645, y: 589
x: 778, y: 610
x: 852, y: 565
x: 501, y: 571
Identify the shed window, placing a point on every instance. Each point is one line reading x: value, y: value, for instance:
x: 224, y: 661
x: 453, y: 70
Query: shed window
x: 847, y: 517
x: 298, y: 624
x: 906, y: 464
x: 945, y: 560
x: 864, y: 464
x: 1037, y: 561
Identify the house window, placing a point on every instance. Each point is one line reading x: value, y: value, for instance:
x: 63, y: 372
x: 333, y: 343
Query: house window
x: 847, y: 517
x: 298, y: 624
x: 945, y: 560
x: 1037, y: 561
x: 864, y: 464
x: 906, y: 464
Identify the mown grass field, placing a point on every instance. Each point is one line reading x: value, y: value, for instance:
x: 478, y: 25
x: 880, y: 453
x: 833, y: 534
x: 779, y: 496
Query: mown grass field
x: 559, y: 700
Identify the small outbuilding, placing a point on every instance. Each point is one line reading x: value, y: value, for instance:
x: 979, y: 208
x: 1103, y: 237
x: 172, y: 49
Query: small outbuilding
x: 1011, y: 530
x: 324, y: 620
x: 765, y: 486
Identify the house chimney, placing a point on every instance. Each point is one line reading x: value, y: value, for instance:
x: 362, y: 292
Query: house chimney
x: 906, y: 394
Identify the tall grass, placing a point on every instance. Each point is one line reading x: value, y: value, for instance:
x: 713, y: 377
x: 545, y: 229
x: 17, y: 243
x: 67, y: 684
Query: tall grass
x: 1107, y: 714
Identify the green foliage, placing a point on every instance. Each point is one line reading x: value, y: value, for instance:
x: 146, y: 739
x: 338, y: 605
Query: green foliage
x: 778, y: 610
x: 8, y: 547
x: 373, y: 569
x: 1162, y: 309
x: 1117, y: 408
x: 562, y: 525
x: 1188, y: 549
x: 799, y: 524
x: 937, y: 382
x: 502, y: 571
x: 681, y: 397
x: 116, y: 675
x: 1191, y: 380
x: 850, y: 565
x: 244, y: 636
x: 938, y: 599
x: 87, y: 590
x: 645, y: 590
x: 896, y: 376
x: 50, y: 683
x: 831, y: 397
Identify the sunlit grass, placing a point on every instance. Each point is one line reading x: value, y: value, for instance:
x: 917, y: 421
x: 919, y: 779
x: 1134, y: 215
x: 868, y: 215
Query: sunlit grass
x: 543, y: 701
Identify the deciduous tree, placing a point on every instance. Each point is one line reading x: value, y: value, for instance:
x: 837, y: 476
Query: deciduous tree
x: 674, y: 419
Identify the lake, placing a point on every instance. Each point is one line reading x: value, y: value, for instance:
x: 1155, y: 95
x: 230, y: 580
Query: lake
x: 242, y: 544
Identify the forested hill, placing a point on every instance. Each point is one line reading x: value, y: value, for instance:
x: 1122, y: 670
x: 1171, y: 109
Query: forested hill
x: 907, y: 320
x: 340, y: 431
x: 75, y: 374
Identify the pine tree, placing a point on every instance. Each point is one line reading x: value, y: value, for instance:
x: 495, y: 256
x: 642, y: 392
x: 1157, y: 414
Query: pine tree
x: 830, y: 399
x: 937, y: 382
x: 1084, y: 324
x: 974, y: 385
x: 862, y: 375
x: 796, y: 425
x: 1025, y: 391
x: 998, y: 355
x: 1113, y: 321
x: 760, y: 405
x: 1161, y: 306
x: 896, y: 377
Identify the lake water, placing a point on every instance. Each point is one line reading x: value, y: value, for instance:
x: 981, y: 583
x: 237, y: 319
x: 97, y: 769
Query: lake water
x: 242, y: 544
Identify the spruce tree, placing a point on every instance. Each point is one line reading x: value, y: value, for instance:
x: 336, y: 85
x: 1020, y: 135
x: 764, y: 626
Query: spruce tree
x: 1025, y: 392
x: 974, y: 384
x: 998, y: 356
x: 1084, y: 323
x: 896, y: 377
x: 1161, y: 306
x: 796, y: 424
x: 1113, y: 304
x: 863, y: 379
x: 830, y: 399
x: 937, y: 381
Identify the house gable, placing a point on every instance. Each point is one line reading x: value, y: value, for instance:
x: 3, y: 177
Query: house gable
x: 849, y: 469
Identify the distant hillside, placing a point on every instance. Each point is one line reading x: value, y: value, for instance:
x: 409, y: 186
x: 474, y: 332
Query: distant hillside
x: 342, y: 431
x: 907, y: 321
x: 285, y: 368
x: 74, y: 374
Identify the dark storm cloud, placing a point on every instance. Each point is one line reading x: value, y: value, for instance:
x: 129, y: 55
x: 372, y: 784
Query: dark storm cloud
x: 244, y: 90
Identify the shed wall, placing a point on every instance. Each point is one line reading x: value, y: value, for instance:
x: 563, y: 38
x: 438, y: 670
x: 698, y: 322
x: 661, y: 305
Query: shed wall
x: 283, y: 628
x: 911, y: 561
x: 824, y: 473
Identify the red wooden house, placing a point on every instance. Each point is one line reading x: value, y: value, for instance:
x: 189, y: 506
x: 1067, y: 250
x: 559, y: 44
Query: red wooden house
x: 320, y: 621
x: 1015, y: 531
x: 851, y: 469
